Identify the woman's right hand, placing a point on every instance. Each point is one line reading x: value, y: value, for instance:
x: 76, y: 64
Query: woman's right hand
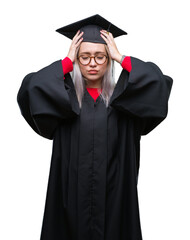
x: 74, y: 45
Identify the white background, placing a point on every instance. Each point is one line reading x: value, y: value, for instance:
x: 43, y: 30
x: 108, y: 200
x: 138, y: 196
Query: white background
x: 158, y: 31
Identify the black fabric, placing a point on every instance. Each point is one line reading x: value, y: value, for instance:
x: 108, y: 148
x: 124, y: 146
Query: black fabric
x: 91, y: 27
x: 92, y: 188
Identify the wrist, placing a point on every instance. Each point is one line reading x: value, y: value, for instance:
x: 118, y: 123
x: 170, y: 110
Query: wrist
x: 122, y: 58
x: 71, y: 58
x: 118, y: 58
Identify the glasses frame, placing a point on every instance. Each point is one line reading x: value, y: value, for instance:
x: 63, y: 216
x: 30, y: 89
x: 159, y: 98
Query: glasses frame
x: 91, y: 59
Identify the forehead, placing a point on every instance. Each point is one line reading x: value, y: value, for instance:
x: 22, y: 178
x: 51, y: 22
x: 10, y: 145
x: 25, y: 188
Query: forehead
x: 89, y: 47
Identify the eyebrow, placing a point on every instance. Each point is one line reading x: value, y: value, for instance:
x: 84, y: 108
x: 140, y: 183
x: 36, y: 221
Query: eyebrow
x: 90, y: 53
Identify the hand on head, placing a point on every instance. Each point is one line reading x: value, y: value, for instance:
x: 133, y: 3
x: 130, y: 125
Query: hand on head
x: 108, y: 38
x: 74, y: 45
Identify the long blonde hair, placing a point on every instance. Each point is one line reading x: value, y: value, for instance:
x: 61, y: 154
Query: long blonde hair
x: 108, y: 82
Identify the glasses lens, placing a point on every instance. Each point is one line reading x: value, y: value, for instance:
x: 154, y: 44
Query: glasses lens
x: 84, y: 60
x: 100, y: 59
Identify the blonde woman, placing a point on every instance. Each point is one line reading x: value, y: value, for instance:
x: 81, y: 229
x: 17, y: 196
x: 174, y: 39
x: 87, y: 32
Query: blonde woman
x: 96, y: 128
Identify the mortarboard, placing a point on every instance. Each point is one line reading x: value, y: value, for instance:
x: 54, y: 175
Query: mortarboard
x: 91, y: 27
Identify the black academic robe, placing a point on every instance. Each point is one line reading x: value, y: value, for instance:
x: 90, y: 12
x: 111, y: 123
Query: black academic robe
x: 92, y: 188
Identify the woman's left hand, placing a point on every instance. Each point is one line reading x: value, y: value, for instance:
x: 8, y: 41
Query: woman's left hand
x: 108, y: 38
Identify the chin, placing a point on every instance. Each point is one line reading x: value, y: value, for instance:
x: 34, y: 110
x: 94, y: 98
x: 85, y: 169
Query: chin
x: 93, y: 77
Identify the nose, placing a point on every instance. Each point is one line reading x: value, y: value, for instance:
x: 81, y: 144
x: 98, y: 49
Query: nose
x: 92, y: 62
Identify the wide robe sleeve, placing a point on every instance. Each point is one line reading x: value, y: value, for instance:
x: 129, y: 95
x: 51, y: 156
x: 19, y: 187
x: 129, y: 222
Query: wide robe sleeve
x: 44, y: 99
x: 143, y: 93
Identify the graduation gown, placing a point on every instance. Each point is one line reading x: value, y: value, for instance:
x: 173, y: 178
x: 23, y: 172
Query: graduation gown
x: 92, y: 187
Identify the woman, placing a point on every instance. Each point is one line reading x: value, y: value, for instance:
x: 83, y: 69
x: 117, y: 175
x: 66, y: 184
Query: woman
x: 96, y: 128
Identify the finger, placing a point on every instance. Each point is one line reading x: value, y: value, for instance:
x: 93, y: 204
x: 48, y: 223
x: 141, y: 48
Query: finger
x: 103, y: 30
x: 106, y: 35
x: 105, y: 39
x: 111, y: 35
x: 106, y: 32
x: 79, y: 42
x: 78, y: 37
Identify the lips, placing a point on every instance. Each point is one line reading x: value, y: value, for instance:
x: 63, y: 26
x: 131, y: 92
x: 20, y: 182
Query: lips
x: 92, y: 72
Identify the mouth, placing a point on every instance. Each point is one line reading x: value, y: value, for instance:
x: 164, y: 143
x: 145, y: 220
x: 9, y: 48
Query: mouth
x: 92, y: 72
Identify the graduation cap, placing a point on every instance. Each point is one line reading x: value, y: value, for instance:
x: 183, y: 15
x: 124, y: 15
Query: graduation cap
x: 91, y: 27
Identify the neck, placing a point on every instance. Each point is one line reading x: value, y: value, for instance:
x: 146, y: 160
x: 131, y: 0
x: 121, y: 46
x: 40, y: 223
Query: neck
x: 93, y: 84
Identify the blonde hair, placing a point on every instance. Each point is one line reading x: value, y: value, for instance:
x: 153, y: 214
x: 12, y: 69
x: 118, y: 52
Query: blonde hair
x: 108, y: 82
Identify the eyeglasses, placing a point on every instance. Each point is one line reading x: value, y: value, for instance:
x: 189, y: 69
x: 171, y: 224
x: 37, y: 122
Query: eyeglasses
x: 86, y: 59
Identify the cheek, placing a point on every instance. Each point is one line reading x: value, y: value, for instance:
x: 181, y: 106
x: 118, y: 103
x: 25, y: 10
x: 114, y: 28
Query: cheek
x: 103, y: 69
x: 82, y: 69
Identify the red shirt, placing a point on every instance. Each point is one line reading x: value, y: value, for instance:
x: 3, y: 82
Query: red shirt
x: 94, y: 92
x: 68, y: 67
